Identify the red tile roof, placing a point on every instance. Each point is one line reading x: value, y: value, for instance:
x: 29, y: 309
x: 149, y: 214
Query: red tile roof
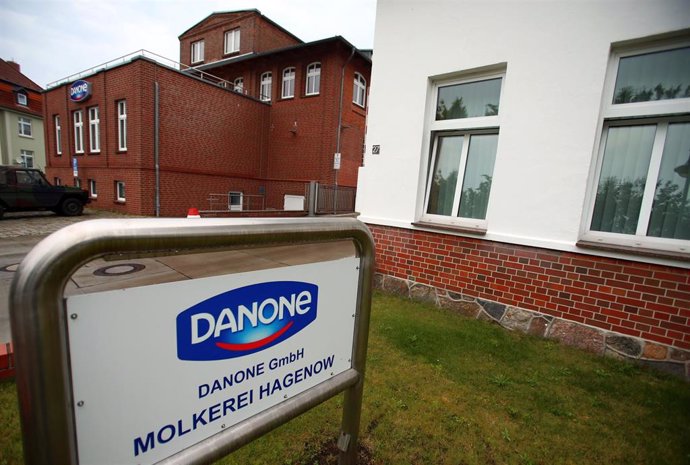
x: 10, y: 74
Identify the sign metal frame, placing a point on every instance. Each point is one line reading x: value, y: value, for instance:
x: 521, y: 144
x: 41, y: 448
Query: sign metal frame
x: 39, y: 325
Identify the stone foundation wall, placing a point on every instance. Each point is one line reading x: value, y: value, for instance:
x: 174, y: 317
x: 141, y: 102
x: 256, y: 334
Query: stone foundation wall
x: 590, y: 338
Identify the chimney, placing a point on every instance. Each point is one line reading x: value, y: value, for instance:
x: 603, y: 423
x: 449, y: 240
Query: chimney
x: 15, y: 66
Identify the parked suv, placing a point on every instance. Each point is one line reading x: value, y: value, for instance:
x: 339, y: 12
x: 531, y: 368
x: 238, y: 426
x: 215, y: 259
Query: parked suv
x: 24, y: 189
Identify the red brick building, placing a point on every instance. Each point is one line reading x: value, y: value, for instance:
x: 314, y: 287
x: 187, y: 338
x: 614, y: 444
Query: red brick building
x: 254, y: 112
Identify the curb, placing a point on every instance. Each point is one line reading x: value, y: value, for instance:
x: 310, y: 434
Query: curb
x: 7, y: 365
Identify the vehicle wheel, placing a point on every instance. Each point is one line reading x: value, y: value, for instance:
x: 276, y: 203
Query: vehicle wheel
x: 71, y: 207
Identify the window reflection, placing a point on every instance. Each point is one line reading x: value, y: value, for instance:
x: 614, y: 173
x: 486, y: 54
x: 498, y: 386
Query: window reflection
x: 468, y: 100
x: 671, y: 209
x: 653, y: 76
x: 622, y: 179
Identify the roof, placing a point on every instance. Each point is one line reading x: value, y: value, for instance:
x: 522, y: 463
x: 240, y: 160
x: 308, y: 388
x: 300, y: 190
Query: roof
x: 255, y: 11
x: 9, y: 73
x: 365, y: 54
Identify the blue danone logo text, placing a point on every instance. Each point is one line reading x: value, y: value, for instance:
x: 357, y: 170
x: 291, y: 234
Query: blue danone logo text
x: 246, y: 320
x: 79, y: 91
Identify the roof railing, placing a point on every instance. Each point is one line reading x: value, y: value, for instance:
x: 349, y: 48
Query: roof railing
x: 152, y: 56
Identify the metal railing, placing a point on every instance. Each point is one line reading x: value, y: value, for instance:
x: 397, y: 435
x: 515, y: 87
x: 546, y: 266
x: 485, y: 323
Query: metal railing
x: 335, y: 199
x: 235, y: 202
x: 161, y: 60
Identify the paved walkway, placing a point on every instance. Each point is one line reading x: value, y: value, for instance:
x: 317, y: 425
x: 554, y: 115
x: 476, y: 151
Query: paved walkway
x: 44, y: 223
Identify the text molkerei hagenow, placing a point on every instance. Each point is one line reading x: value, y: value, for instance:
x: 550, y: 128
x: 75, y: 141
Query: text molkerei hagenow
x: 235, y: 402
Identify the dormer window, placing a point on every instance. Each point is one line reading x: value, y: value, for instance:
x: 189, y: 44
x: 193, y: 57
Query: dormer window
x: 232, y: 41
x: 198, y: 51
x: 22, y: 99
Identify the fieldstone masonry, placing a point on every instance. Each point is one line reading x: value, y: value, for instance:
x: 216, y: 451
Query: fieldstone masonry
x: 589, y: 338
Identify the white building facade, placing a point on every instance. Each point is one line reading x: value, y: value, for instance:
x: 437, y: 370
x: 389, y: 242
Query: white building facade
x: 529, y: 162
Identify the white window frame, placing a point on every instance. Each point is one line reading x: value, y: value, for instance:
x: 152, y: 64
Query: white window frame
x: 359, y: 91
x: 288, y: 87
x: 231, y: 42
x: 94, y: 130
x: 26, y: 155
x: 122, y: 125
x: 25, y: 127
x: 120, y: 189
x: 234, y: 207
x: 22, y: 99
x: 658, y: 112
x: 93, y: 191
x: 266, y: 86
x: 238, y: 84
x: 465, y: 126
x: 197, y: 51
x: 78, y: 118
x: 58, y: 134
x: 313, y: 84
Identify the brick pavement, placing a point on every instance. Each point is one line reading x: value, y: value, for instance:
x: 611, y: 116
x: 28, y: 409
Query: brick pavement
x: 44, y: 223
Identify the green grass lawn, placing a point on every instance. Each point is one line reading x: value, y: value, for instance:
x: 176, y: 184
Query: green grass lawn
x: 442, y: 389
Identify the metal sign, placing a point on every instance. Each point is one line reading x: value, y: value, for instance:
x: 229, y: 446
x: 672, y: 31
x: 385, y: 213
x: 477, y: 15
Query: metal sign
x: 187, y: 371
x: 336, y: 161
x: 75, y: 168
x: 79, y: 91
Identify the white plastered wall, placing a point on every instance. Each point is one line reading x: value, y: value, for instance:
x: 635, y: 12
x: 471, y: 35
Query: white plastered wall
x: 556, y: 55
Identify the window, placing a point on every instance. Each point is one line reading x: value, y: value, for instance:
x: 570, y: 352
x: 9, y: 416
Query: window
x: 120, y: 191
x: 94, y: 130
x: 232, y: 41
x: 198, y: 51
x: 24, y: 126
x: 639, y: 197
x: 122, y: 125
x: 235, y: 201
x: 78, y: 132
x: 58, y: 135
x: 265, y: 90
x: 313, y: 79
x: 288, y: 83
x: 463, y: 142
x: 92, y: 188
x: 359, y: 91
x: 238, y: 84
x: 27, y: 158
x: 22, y: 99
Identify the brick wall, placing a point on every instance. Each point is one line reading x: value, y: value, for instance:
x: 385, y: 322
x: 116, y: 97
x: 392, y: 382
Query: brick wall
x: 642, y: 300
x: 256, y: 35
x: 8, y: 99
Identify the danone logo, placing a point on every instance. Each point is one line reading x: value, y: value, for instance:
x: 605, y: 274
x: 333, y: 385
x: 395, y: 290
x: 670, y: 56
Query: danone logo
x: 245, y: 320
x: 79, y: 91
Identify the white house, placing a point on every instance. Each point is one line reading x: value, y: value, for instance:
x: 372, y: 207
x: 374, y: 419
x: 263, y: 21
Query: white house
x: 528, y: 161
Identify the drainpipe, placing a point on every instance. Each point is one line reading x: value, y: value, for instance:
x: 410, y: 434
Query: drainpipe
x: 340, y: 126
x: 156, y: 130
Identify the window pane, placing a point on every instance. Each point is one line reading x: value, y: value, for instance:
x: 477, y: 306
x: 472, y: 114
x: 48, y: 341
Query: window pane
x: 445, y: 175
x: 622, y: 179
x: 671, y: 209
x: 653, y: 76
x: 476, y: 184
x: 468, y: 100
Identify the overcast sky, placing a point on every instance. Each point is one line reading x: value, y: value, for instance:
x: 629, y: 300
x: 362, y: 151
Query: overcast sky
x: 52, y: 39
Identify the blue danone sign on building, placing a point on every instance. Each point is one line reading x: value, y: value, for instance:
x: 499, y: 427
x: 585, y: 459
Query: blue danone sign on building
x: 79, y: 91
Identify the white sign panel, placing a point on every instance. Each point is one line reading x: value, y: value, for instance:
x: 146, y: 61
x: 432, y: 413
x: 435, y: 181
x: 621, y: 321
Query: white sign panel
x: 336, y: 161
x: 156, y: 369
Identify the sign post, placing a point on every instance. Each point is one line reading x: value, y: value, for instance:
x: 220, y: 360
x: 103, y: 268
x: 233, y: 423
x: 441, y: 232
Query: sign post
x: 187, y: 371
